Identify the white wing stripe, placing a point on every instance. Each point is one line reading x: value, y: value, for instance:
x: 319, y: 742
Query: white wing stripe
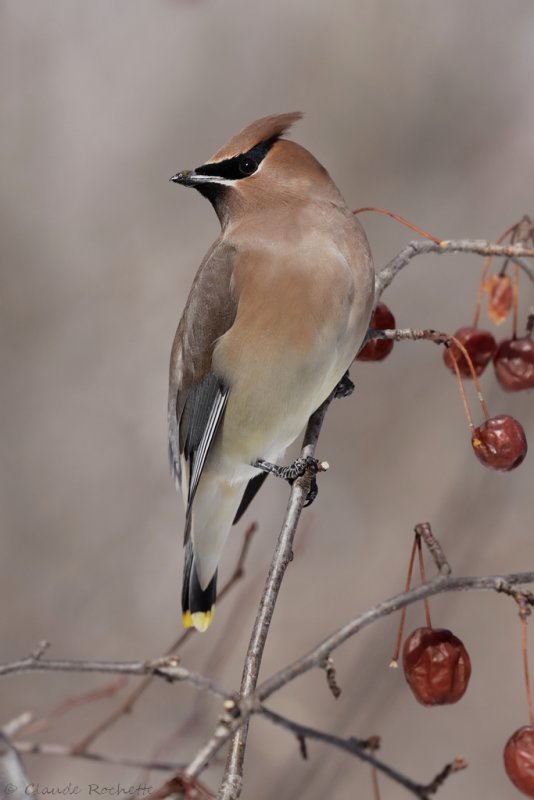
x: 205, y: 443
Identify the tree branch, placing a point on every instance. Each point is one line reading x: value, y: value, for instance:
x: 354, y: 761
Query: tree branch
x: 233, y: 775
x: 360, y: 749
x: 438, y: 585
x: 231, y: 722
x: 166, y: 667
x: 479, y: 247
x: 44, y: 749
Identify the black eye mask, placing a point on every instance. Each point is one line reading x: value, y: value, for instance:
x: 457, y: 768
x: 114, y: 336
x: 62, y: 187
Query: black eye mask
x: 238, y: 167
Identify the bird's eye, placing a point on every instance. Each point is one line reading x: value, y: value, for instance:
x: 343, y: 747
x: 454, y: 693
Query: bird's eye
x: 247, y: 165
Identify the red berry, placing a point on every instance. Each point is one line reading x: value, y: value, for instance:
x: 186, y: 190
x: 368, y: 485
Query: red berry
x: 514, y: 364
x: 378, y: 349
x: 480, y: 345
x: 519, y: 759
x: 500, y: 443
x: 436, y: 666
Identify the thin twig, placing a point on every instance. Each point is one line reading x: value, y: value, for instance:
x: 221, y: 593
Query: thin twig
x: 360, y: 749
x: 165, y: 667
x: 302, y: 746
x: 424, y: 530
x: 438, y: 585
x: 449, y: 769
x: 331, y: 676
x: 516, y: 253
x: 44, y: 749
x: 438, y: 337
x: 422, y: 575
x: 231, y: 784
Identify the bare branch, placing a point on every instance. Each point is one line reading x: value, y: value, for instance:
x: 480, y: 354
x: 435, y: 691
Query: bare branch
x: 331, y: 676
x: 43, y: 749
x: 515, y: 252
x: 424, y: 530
x: 360, y: 748
x: 438, y: 585
x: 233, y: 775
x: 449, y: 769
x: 166, y: 667
x: 230, y: 722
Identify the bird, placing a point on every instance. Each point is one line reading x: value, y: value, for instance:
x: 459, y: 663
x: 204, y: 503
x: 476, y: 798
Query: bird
x: 276, y: 314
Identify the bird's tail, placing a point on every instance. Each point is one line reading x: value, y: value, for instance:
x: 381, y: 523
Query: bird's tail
x: 198, y: 605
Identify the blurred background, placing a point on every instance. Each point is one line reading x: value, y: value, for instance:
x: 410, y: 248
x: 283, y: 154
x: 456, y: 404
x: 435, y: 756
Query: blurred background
x: 423, y: 107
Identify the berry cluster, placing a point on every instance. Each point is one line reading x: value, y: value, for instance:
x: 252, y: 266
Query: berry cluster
x: 435, y: 662
x: 513, y: 359
x: 437, y: 666
x: 499, y: 442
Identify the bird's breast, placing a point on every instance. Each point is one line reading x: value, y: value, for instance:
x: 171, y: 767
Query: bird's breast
x: 298, y: 327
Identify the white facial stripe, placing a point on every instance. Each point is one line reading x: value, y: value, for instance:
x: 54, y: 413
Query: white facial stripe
x: 211, y: 179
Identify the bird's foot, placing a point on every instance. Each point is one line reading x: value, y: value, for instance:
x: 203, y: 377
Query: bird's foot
x: 297, y: 469
x: 293, y: 471
x: 345, y: 387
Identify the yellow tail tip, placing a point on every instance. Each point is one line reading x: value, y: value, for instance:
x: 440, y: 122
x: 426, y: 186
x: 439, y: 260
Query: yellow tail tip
x: 199, y: 619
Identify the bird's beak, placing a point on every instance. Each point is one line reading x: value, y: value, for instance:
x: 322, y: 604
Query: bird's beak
x: 186, y: 177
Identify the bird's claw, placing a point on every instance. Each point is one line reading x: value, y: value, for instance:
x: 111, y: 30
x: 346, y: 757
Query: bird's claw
x: 345, y: 387
x: 294, y: 470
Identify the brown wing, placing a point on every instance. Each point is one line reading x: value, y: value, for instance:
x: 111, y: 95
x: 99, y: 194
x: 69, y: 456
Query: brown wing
x: 197, y: 395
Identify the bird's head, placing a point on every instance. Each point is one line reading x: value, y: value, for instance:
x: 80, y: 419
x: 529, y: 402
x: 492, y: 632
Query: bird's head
x: 257, y: 168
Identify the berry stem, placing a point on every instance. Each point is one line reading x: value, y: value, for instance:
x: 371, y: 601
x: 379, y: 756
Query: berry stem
x: 524, y: 611
x: 485, y: 266
x: 463, y: 395
x: 374, y: 779
x: 422, y: 574
x: 515, y: 296
x: 395, y: 658
x: 474, y: 375
x: 400, y: 219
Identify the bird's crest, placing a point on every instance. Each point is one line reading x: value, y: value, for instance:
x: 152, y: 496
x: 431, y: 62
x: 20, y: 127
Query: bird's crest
x: 262, y: 130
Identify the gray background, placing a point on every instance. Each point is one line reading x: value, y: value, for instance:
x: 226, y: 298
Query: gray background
x: 423, y: 107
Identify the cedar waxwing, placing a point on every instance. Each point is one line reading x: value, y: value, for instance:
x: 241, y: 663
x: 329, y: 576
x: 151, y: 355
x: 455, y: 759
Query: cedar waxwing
x: 277, y: 312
